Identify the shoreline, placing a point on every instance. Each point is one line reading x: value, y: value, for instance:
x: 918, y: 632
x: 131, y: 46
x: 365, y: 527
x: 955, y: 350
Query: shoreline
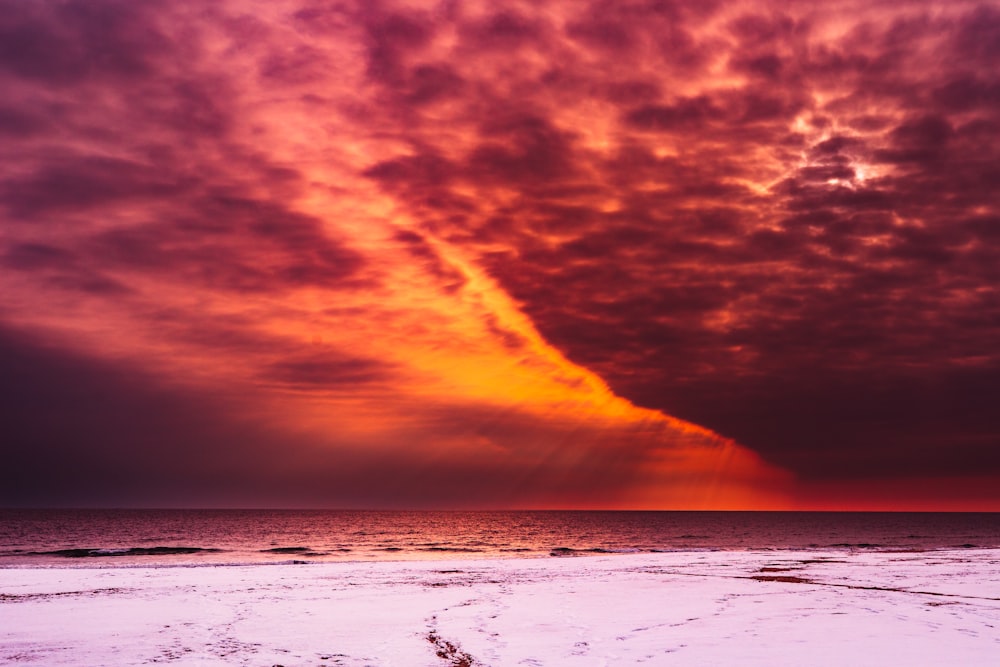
x: 685, y: 608
x: 46, y: 561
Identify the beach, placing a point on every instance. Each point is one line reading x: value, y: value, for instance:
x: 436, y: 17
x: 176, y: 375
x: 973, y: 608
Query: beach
x: 852, y: 607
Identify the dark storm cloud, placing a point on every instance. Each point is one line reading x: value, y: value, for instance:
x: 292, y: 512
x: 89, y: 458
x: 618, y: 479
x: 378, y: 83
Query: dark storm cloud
x: 843, y: 322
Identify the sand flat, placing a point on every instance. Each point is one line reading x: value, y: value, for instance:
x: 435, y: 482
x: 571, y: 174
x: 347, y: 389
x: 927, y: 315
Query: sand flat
x: 684, y: 608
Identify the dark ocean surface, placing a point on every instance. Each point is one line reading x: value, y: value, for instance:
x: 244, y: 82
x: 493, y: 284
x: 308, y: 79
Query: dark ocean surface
x: 116, y: 538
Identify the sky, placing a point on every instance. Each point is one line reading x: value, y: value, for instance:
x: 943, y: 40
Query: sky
x: 548, y: 254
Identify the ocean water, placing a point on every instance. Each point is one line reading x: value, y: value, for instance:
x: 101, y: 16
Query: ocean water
x: 117, y: 538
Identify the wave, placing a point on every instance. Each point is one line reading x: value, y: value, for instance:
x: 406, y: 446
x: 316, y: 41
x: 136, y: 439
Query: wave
x: 566, y: 551
x: 133, y: 551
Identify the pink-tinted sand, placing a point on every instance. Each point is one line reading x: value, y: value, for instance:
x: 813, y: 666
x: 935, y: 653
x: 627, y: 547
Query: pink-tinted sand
x: 710, y: 608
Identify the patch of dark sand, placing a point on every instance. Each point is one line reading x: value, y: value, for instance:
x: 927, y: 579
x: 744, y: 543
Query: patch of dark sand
x: 446, y: 650
x: 772, y: 568
x: 28, y: 597
x: 783, y: 578
x: 888, y: 589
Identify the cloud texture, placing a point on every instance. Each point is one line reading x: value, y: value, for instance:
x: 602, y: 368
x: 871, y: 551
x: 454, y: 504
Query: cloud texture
x: 397, y: 253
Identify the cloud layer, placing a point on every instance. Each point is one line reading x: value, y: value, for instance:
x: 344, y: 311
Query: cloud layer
x: 346, y: 242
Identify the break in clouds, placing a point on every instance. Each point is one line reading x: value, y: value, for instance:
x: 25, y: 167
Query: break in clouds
x: 393, y: 253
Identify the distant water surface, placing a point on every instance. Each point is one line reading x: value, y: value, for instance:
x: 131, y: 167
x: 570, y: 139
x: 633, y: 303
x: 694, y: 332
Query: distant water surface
x: 110, y: 538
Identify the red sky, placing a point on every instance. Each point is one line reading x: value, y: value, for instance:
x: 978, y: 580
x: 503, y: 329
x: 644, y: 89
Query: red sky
x: 542, y: 254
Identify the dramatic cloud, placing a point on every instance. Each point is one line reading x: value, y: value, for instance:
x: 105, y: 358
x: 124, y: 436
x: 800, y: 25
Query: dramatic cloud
x: 331, y: 244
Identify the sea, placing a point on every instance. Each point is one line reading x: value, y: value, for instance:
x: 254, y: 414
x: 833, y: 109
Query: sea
x: 129, y: 538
